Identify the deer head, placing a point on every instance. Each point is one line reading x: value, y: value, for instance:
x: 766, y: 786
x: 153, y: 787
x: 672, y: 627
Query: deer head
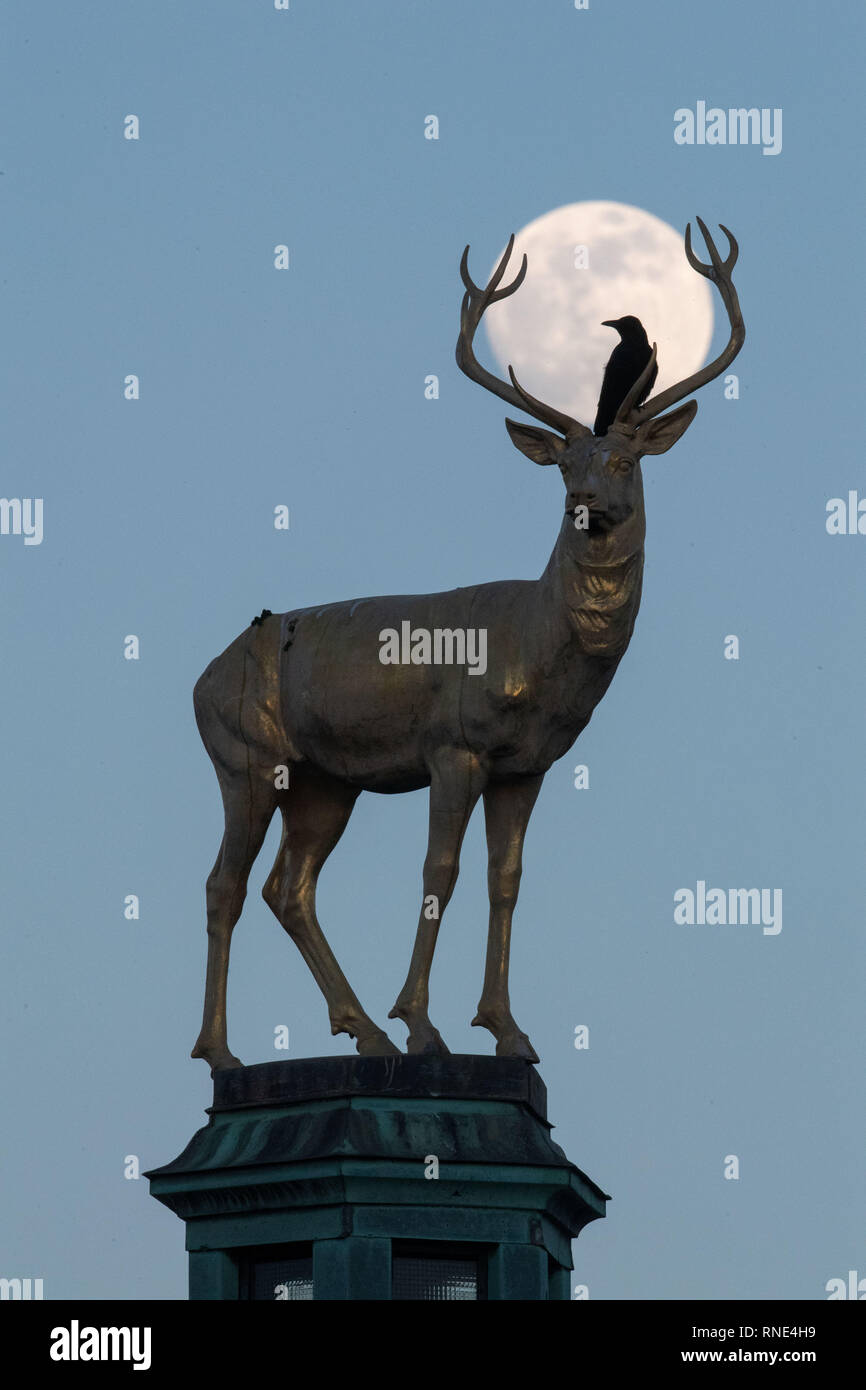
x: 601, y: 475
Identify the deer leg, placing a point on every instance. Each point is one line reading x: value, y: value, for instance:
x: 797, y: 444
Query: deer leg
x: 248, y: 813
x: 507, y: 808
x: 315, y: 813
x: 456, y: 783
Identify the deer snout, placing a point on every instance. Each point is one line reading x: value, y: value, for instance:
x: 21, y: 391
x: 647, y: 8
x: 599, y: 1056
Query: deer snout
x: 590, y: 500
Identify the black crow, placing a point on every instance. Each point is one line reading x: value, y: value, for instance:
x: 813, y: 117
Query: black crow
x: 627, y: 361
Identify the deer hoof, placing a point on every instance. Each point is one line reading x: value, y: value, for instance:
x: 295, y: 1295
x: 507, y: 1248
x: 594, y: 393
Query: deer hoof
x: 377, y: 1044
x: 220, y: 1059
x: 427, y: 1044
x: 517, y: 1045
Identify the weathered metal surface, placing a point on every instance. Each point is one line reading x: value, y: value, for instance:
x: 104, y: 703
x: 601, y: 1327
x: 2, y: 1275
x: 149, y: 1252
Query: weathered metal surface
x: 310, y: 693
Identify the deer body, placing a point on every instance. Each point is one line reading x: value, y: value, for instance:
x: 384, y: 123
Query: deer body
x: 309, y: 692
x: 558, y: 641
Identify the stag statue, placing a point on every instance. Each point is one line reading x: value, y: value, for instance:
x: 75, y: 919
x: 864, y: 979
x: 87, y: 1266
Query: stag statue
x: 303, y: 713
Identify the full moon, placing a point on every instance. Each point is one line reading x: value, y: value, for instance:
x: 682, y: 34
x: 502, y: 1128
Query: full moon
x: 593, y: 261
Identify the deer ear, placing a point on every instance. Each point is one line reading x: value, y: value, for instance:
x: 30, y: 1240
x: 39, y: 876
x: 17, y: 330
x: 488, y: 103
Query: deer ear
x: 657, y: 436
x: 542, y: 446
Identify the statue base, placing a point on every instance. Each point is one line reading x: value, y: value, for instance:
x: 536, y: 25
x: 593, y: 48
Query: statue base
x: 378, y: 1178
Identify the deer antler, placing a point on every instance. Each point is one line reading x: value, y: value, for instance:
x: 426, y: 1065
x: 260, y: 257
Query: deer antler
x: 475, y: 301
x: 720, y: 274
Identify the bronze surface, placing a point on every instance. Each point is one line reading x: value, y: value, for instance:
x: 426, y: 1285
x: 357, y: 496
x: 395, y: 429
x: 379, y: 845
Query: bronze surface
x: 306, y: 690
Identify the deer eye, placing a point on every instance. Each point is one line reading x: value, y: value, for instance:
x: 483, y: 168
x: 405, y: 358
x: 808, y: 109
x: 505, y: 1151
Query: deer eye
x: 618, y: 464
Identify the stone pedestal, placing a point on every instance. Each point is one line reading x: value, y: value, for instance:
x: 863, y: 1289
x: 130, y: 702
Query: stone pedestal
x: 378, y: 1178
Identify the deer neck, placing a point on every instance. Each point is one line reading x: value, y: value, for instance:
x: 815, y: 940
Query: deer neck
x: 593, y: 583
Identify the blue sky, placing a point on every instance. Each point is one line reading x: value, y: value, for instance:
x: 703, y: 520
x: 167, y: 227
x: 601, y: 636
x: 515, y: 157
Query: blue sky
x: 306, y: 387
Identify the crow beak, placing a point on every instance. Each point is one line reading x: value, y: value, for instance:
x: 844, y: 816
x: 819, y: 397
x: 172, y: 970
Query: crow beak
x: 610, y: 323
